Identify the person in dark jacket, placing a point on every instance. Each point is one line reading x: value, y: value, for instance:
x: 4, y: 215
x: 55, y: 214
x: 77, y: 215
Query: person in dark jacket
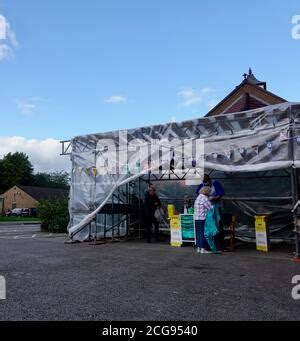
x: 152, y: 202
x: 217, y: 191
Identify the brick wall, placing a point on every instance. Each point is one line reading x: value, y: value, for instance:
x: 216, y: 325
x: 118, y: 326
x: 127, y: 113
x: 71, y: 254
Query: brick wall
x: 15, y: 197
x: 234, y: 102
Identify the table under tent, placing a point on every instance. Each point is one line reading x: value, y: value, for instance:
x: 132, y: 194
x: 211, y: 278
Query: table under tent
x: 254, y: 154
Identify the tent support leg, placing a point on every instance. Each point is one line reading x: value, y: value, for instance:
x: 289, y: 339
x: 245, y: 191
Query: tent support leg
x: 112, y: 219
x: 297, y: 256
x: 119, y: 220
x: 140, y: 215
x: 296, y: 213
x: 95, y: 237
x: 104, y: 232
x: 127, y: 215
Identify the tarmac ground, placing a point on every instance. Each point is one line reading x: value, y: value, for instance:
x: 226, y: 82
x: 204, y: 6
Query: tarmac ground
x: 47, y: 279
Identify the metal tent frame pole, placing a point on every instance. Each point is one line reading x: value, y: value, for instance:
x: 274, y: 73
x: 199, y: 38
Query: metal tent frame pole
x: 296, y: 213
x: 140, y: 207
x: 294, y: 188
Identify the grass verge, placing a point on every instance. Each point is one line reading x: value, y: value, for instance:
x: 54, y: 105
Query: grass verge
x: 18, y: 219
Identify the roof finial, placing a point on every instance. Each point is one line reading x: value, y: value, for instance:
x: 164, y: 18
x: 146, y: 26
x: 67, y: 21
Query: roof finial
x: 251, y: 79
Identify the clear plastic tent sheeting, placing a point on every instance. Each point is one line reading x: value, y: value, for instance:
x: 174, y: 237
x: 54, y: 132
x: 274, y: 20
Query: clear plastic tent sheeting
x: 112, y: 164
x: 260, y: 140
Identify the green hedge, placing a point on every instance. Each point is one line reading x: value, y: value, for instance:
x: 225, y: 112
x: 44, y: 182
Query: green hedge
x: 54, y: 214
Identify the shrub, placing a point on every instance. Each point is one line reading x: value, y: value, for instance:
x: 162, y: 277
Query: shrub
x: 54, y: 214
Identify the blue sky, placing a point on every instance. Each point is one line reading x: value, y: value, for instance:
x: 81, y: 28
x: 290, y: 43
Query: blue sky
x: 78, y: 67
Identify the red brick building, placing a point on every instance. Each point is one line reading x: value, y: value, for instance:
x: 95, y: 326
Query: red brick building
x: 28, y: 196
x: 250, y: 94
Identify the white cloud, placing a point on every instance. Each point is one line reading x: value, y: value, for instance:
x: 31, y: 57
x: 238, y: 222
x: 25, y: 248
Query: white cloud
x: 28, y: 106
x: 212, y: 103
x: 8, y: 39
x: 116, y: 99
x: 6, y: 52
x: 2, y: 27
x: 190, y: 96
x: 11, y: 36
x: 43, y: 154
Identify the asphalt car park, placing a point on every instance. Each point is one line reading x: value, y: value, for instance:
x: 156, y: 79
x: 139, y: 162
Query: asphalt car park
x: 47, y: 279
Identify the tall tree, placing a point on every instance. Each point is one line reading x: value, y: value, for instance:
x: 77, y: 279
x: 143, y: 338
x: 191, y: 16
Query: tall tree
x: 53, y: 179
x: 16, y: 169
x: 1, y: 177
x: 60, y: 179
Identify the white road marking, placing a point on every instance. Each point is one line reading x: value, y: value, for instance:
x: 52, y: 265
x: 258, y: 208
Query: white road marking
x: 23, y: 237
x: 42, y: 235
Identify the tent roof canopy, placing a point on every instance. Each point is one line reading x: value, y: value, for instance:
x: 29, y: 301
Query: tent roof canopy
x: 251, y: 141
x: 239, y: 121
x: 259, y: 132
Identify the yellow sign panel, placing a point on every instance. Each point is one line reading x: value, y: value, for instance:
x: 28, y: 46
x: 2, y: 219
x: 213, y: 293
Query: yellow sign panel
x: 175, y: 222
x: 261, y: 231
x: 176, y: 235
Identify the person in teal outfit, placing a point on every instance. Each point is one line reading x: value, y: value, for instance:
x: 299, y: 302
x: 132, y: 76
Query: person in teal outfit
x: 211, y: 230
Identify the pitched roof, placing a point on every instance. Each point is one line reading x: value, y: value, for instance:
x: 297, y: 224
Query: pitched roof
x: 249, y: 94
x: 40, y: 193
